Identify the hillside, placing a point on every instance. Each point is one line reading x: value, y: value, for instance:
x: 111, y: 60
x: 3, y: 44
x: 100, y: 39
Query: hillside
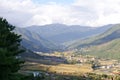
x: 108, y: 50
x: 111, y: 34
x: 35, y: 42
x: 105, y: 45
x: 51, y: 37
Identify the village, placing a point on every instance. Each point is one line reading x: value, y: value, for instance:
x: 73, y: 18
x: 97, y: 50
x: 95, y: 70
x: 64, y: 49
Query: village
x: 98, y: 65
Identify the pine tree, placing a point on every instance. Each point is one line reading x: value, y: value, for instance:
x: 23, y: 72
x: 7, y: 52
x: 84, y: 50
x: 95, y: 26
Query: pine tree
x: 9, y: 50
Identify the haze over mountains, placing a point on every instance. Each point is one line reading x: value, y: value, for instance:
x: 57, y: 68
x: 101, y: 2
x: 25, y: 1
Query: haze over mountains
x: 34, y: 41
x: 56, y: 37
x: 60, y: 33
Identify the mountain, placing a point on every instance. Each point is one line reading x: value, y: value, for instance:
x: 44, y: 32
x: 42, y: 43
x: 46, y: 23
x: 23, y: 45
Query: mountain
x: 35, y: 42
x: 105, y: 45
x: 107, y: 36
x: 58, y: 33
x: 62, y: 34
x: 109, y: 50
x: 51, y: 37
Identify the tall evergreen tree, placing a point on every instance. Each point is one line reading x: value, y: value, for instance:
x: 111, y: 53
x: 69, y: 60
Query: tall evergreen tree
x: 9, y: 50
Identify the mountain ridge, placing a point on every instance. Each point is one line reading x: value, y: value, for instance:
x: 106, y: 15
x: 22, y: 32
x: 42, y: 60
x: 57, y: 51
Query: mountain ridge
x: 60, y: 33
x: 35, y: 42
x: 94, y: 39
x: 105, y: 45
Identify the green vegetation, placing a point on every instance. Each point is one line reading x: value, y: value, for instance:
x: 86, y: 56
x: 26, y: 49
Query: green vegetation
x: 9, y: 50
x: 68, y: 65
x: 108, y: 50
x: 78, y: 66
x: 105, y: 45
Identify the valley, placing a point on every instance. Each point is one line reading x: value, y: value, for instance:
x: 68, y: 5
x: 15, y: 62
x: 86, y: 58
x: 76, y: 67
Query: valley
x: 96, y: 53
x: 68, y: 64
x: 59, y: 39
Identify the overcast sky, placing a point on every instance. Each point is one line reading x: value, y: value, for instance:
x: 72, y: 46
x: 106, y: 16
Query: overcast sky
x: 94, y: 13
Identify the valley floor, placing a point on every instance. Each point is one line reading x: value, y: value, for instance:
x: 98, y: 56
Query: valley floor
x: 61, y: 64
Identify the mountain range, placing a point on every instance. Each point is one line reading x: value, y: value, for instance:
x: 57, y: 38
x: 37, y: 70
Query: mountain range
x: 58, y: 37
x: 61, y: 34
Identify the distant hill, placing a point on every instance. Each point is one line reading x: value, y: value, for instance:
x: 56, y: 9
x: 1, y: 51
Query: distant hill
x: 35, y: 42
x: 62, y: 34
x: 104, y: 37
x: 105, y: 45
x: 109, y: 50
x: 55, y: 37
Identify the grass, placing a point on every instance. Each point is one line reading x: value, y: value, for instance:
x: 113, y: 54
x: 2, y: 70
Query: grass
x: 67, y: 68
x: 107, y: 62
x: 108, y: 50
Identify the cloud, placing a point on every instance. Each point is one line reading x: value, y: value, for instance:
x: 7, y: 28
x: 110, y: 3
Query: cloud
x: 101, y: 11
x: 24, y: 13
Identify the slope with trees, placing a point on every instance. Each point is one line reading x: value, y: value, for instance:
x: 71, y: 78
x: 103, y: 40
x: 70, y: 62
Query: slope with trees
x: 105, y: 45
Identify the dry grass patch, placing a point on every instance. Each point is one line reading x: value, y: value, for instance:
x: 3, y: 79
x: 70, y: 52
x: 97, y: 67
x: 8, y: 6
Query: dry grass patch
x: 60, y: 68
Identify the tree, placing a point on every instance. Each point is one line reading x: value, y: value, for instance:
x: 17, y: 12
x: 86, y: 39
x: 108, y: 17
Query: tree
x: 95, y: 64
x: 9, y: 50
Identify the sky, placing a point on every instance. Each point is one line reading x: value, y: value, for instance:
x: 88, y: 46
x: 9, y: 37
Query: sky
x: 95, y: 13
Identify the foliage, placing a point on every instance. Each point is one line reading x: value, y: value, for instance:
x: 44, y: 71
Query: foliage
x: 9, y: 50
x: 108, y: 50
